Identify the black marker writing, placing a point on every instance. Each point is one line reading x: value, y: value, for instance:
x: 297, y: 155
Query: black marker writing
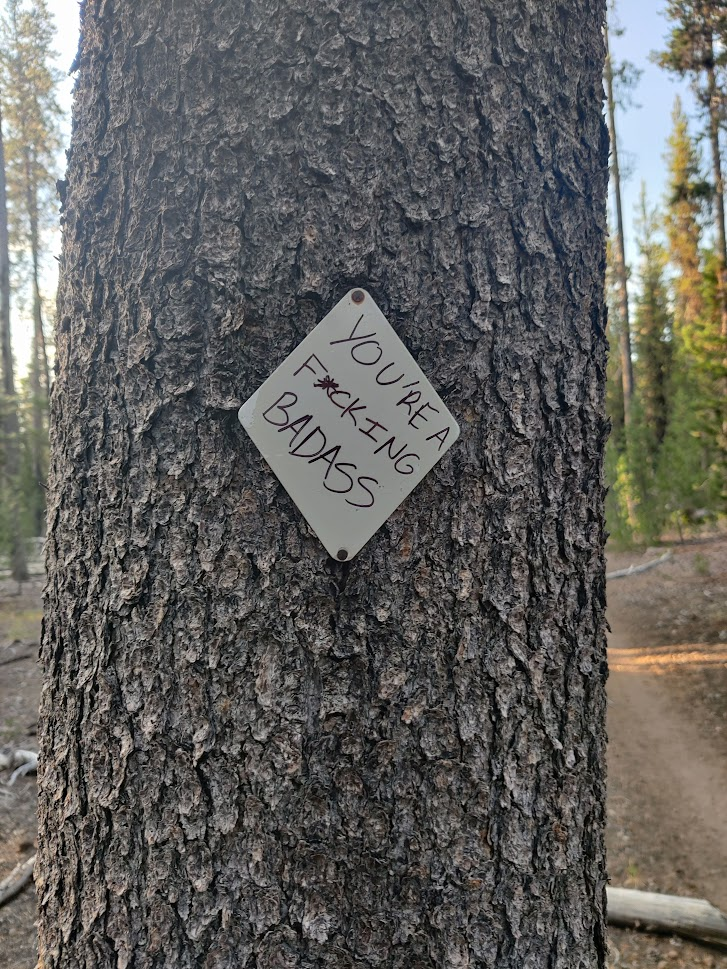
x: 350, y: 339
x: 314, y: 447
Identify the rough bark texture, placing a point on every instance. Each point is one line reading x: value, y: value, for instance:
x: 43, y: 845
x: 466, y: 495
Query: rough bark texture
x: 253, y: 755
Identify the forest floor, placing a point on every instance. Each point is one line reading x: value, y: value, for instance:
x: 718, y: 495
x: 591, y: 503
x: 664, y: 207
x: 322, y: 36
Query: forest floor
x: 667, y: 727
x: 667, y: 722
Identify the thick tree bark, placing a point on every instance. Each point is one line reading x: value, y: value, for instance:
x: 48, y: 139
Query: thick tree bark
x: 624, y: 334
x: 251, y: 754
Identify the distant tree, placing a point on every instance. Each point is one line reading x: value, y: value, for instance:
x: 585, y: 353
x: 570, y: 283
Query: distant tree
x: 687, y: 194
x: 697, y: 49
x: 620, y: 505
x: 635, y: 508
x: 6, y: 349
x: 653, y: 326
x: 29, y: 82
x: 697, y: 422
x: 690, y: 471
x: 705, y: 350
x: 10, y: 530
x: 620, y: 81
x: 614, y: 382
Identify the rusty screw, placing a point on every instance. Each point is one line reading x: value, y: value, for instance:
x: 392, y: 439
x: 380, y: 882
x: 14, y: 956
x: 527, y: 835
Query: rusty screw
x: 342, y: 554
x: 358, y: 296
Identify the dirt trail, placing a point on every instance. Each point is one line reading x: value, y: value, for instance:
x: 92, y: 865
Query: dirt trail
x: 667, y: 785
x: 671, y: 775
x: 667, y: 755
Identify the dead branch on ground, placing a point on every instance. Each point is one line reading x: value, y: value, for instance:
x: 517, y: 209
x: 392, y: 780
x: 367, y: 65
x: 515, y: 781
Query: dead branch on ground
x: 636, y: 569
x: 650, y: 911
x: 16, y: 880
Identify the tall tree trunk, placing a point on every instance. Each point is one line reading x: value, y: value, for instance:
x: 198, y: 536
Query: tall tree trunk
x: 39, y: 376
x: 714, y: 124
x: 714, y: 121
x: 624, y: 336
x: 6, y: 346
x: 251, y: 754
x: 8, y: 402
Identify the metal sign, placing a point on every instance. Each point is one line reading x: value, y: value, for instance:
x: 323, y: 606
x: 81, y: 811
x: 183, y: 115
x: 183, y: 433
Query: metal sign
x: 349, y: 424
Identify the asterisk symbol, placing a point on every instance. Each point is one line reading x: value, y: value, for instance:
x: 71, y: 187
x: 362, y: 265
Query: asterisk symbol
x: 328, y: 384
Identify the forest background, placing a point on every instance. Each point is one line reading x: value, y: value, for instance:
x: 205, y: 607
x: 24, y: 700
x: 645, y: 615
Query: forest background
x: 666, y: 279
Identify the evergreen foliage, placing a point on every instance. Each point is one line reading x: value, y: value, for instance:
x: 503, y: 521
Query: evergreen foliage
x: 666, y: 468
x: 670, y: 469
x: 31, y: 141
x: 653, y: 331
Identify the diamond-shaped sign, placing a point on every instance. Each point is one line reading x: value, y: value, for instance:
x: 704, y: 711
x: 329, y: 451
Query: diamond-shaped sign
x: 349, y: 424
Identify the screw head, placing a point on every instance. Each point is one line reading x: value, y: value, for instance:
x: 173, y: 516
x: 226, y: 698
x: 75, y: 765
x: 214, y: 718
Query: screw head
x: 342, y: 554
x: 358, y: 296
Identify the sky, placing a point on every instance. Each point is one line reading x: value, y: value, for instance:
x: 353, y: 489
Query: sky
x: 642, y: 130
x: 66, y: 15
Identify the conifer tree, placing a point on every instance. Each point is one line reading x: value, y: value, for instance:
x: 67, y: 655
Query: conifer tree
x: 635, y: 507
x: 696, y: 49
x: 697, y: 390
x: 614, y: 380
x: 10, y: 532
x: 652, y: 329
x: 253, y: 754
x: 687, y: 194
x: 29, y: 82
x: 624, y: 76
x: 619, y: 507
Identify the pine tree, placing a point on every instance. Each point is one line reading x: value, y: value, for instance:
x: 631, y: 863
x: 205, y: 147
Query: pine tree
x: 10, y: 532
x: 653, y: 327
x: 697, y: 49
x: 687, y: 194
x: 614, y: 381
x: 703, y: 348
x: 620, y: 511
x: 253, y: 754
x: 624, y: 77
x: 29, y: 83
x: 693, y: 456
x: 691, y: 470
x: 634, y: 506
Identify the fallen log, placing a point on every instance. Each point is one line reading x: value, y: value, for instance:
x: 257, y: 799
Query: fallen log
x: 694, y: 918
x: 16, y: 659
x: 635, y: 569
x: 25, y: 762
x: 16, y: 880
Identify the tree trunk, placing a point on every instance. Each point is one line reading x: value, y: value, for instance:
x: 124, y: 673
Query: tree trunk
x: 251, y: 754
x: 624, y: 335
x: 714, y: 121
x: 8, y: 400
x: 39, y: 377
x: 6, y: 346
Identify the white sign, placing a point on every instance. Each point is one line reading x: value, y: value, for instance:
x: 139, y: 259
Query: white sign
x: 349, y: 424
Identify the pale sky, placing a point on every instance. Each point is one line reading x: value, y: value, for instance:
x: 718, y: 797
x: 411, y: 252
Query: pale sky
x: 642, y: 130
x: 66, y: 14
